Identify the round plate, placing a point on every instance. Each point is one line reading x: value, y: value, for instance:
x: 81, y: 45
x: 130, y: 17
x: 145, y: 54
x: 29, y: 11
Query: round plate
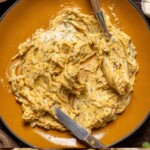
x: 27, y: 16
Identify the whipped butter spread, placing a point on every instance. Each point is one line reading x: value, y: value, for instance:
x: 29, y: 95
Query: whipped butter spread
x: 71, y: 65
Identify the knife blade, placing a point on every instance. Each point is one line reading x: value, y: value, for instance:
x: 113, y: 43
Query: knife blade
x: 80, y: 132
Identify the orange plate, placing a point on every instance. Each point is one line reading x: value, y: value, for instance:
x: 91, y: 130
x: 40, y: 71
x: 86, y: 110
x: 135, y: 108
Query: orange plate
x: 27, y: 16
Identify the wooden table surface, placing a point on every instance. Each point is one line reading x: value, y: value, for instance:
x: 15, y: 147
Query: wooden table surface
x: 136, y: 140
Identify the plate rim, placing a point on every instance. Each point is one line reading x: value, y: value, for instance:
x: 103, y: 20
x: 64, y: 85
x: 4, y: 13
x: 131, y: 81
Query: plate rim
x: 109, y: 146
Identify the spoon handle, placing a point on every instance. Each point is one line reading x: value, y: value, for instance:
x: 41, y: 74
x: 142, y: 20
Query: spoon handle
x: 96, y: 5
x: 99, y: 14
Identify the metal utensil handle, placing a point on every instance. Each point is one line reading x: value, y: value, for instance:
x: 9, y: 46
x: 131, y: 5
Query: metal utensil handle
x: 101, y: 20
x: 96, y: 5
x: 99, y: 14
x: 93, y: 142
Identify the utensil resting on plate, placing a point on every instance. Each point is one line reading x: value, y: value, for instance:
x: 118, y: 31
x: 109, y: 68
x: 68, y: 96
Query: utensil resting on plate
x: 81, y: 133
x: 99, y: 15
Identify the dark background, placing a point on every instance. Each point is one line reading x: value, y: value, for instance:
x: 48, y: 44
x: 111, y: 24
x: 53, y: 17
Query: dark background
x: 136, y: 140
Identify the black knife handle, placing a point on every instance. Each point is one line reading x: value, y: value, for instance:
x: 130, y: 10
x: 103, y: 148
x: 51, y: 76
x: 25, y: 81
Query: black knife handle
x: 93, y: 142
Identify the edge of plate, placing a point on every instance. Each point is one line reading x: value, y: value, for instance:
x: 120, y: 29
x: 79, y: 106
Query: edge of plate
x: 148, y: 114
x: 4, y: 123
x: 8, y: 9
x: 132, y: 132
x: 140, y: 12
x: 113, y: 144
x: 15, y: 135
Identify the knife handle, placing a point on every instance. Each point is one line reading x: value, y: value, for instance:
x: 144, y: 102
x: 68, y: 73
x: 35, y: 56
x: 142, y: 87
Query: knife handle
x: 93, y: 142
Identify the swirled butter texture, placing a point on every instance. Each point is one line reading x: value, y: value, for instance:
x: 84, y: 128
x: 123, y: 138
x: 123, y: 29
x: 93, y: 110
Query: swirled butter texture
x: 71, y: 65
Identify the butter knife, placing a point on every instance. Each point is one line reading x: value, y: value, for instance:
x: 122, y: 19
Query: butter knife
x: 80, y: 132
